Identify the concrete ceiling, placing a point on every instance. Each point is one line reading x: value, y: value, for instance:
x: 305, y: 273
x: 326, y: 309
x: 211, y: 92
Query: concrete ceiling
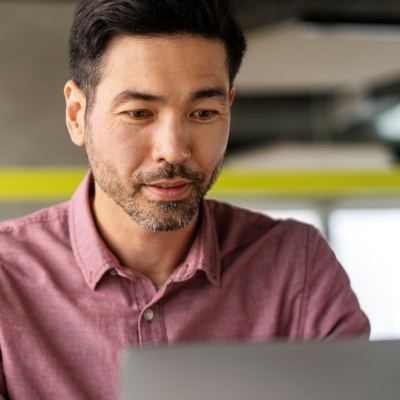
x: 298, y: 49
x: 293, y: 56
x: 255, y: 13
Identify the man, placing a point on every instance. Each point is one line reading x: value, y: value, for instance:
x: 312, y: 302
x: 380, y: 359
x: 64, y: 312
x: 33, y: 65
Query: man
x: 137, y: 257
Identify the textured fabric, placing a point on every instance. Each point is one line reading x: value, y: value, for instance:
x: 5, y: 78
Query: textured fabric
x: 67, y: 307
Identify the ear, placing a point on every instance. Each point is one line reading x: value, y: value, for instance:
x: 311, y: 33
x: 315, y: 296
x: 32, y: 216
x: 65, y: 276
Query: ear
x: 232, y: 95
x: 75, y: 112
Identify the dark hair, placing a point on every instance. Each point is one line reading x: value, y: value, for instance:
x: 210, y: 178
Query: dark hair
x: 96, y: 22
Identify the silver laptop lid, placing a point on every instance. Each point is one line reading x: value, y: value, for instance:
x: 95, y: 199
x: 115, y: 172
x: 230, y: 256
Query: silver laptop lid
x: 342, y: 370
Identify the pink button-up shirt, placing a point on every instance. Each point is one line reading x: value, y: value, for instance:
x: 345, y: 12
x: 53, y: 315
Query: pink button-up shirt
x: 68, y: 308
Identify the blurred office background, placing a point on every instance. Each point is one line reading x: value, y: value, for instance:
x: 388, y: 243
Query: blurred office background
x: 315, y: 127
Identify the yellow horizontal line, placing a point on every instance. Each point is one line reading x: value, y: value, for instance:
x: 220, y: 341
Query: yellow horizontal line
x: 310, y: 183
x: 58, y: 183
x: 39, y: 184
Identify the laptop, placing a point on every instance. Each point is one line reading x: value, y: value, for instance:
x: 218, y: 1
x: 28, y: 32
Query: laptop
x: 333, y: 370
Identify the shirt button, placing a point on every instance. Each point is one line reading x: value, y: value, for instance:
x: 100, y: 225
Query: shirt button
x: 148, y: 314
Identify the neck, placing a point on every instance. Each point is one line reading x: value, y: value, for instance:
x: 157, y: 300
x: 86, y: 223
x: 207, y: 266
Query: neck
x: 154, y: 254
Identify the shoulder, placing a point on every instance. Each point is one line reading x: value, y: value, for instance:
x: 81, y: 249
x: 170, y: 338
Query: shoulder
x: 36, y: 228
x: 230, y: 218
x: 242, y: 232
x: 44, y: 216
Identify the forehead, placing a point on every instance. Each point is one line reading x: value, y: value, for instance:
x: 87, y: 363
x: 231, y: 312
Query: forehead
x: 177, y: 59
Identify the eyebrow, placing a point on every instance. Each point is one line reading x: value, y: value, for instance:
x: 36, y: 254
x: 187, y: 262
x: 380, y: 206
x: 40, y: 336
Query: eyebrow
x: 127, y: 95
x: 205, y: 93
x: 209, y: 93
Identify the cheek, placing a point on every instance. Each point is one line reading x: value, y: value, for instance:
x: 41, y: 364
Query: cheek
x: 213, y: 148
x: 128, y: 155
x: 116, y: 140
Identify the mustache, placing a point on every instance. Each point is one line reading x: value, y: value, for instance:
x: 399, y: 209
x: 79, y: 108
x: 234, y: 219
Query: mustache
x: 170, y: 171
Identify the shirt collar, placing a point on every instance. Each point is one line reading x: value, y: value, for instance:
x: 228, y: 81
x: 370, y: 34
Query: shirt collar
x: 91, y: 253
x: 95, y: 259
x: 204, y: 255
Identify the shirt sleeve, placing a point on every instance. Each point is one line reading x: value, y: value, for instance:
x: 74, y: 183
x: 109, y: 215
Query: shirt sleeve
x: 330, y: 308
x: 2, y: 381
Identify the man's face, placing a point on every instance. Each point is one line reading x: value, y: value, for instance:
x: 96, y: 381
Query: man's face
x: 158, y: 128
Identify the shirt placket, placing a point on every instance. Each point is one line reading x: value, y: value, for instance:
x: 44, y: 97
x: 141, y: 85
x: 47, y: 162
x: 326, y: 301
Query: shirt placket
x: 151, y: 328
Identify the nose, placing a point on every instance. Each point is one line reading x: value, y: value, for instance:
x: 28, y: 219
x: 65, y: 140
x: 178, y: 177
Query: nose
x: 171, y: 141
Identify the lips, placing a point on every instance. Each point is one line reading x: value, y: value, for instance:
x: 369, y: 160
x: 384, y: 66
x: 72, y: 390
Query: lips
x: 169, y: 184
x: 168, y: 190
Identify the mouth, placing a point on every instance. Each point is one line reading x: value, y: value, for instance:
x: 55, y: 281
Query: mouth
x: 168, y: 190
x: 168, y: 184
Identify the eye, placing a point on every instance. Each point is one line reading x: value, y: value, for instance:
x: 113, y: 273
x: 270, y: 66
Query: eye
x: 204, y: 114
x: 139, y: 114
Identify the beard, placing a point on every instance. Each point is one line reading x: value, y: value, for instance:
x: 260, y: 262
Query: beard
x: 156, y: 216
